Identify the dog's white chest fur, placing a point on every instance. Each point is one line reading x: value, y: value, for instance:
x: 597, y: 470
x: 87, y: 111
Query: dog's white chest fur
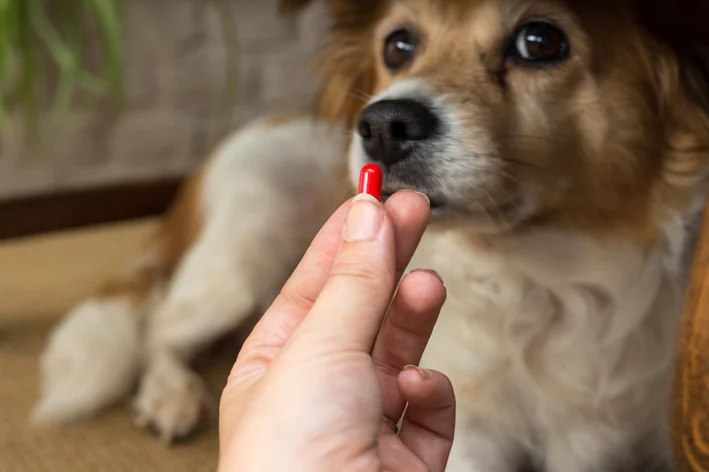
x: 555, y: 343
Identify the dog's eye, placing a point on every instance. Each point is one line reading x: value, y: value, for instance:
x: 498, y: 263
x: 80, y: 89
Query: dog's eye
x: 540, y: 43
x: 399, y: 49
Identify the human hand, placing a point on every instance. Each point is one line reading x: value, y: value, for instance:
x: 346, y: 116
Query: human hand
x: 320, y: 380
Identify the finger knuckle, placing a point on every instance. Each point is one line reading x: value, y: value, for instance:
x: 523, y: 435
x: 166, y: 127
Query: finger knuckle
x: 360, y: 268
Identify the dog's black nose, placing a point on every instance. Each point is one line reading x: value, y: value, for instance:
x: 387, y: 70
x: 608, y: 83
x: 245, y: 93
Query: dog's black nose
x: 390, y: 128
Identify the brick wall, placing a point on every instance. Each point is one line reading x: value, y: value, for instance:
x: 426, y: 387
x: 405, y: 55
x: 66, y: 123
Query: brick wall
x: 175, y: 70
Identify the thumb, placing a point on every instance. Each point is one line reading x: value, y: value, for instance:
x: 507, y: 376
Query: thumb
x: 359, y: 287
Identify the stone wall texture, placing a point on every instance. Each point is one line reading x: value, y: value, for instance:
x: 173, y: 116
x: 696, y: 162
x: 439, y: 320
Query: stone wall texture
x: 176, y: 58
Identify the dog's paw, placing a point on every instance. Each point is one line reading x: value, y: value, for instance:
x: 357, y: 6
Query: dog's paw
x: 171, y: 401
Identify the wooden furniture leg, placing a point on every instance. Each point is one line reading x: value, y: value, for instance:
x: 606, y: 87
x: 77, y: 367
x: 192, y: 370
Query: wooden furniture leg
x: 690, y: 403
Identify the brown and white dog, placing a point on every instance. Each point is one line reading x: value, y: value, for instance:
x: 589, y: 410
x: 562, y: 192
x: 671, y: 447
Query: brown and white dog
x: 564, y: 145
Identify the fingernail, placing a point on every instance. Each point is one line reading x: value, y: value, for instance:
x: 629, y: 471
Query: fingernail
x: 428, y: 200
x: 425, y: 197
x: 364, y: 219
x: 423, y: 373
x: 432, y: 272
x: 390, y: 423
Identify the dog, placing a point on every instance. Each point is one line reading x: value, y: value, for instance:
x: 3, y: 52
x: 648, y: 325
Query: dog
x: 564, y: 146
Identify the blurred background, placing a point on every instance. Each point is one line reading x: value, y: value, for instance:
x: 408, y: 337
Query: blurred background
x: 105, y: 106
x: 176, y: 56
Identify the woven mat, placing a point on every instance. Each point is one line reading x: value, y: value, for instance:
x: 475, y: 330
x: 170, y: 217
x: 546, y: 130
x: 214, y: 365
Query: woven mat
x: 40, y: 278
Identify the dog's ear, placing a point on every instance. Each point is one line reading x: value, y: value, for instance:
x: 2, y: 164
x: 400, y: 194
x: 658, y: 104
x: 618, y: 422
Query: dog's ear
x: 694, y: 66
x: 346, y: 61
x: 681, y: 61
x: 682, y: 25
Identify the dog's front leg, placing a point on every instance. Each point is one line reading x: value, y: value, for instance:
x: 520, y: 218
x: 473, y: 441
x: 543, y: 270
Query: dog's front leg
x: 265, y: 195
x: 605, y: 446
x: 482, y: 449
x: 210, y: 295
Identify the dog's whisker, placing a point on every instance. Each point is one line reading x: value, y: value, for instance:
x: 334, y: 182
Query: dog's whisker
x: 361, y: 96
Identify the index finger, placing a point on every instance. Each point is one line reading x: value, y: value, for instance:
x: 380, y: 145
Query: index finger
x: 364, y: 274
x: 409, y: 216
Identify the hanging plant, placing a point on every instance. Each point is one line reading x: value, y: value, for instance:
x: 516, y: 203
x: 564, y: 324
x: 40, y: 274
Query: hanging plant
x: 40, y: 39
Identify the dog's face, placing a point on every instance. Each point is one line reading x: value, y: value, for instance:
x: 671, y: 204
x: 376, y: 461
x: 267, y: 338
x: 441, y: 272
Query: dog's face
x: 510, y: 113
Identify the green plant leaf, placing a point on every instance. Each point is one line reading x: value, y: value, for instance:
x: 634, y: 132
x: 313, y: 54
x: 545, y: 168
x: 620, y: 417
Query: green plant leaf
x: 35, y: 43
x: 231, y: 40
x: 46, y: 38
x: 65, y: 58
x: 108, y: 16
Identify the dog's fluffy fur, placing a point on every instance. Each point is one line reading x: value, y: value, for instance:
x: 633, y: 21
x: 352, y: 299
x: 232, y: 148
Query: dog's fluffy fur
x: 560, y: 326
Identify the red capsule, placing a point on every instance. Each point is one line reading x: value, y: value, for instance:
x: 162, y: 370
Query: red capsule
x: 370, y: 181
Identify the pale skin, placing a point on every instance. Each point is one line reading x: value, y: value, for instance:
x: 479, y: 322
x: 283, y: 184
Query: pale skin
x: 320, y: 379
